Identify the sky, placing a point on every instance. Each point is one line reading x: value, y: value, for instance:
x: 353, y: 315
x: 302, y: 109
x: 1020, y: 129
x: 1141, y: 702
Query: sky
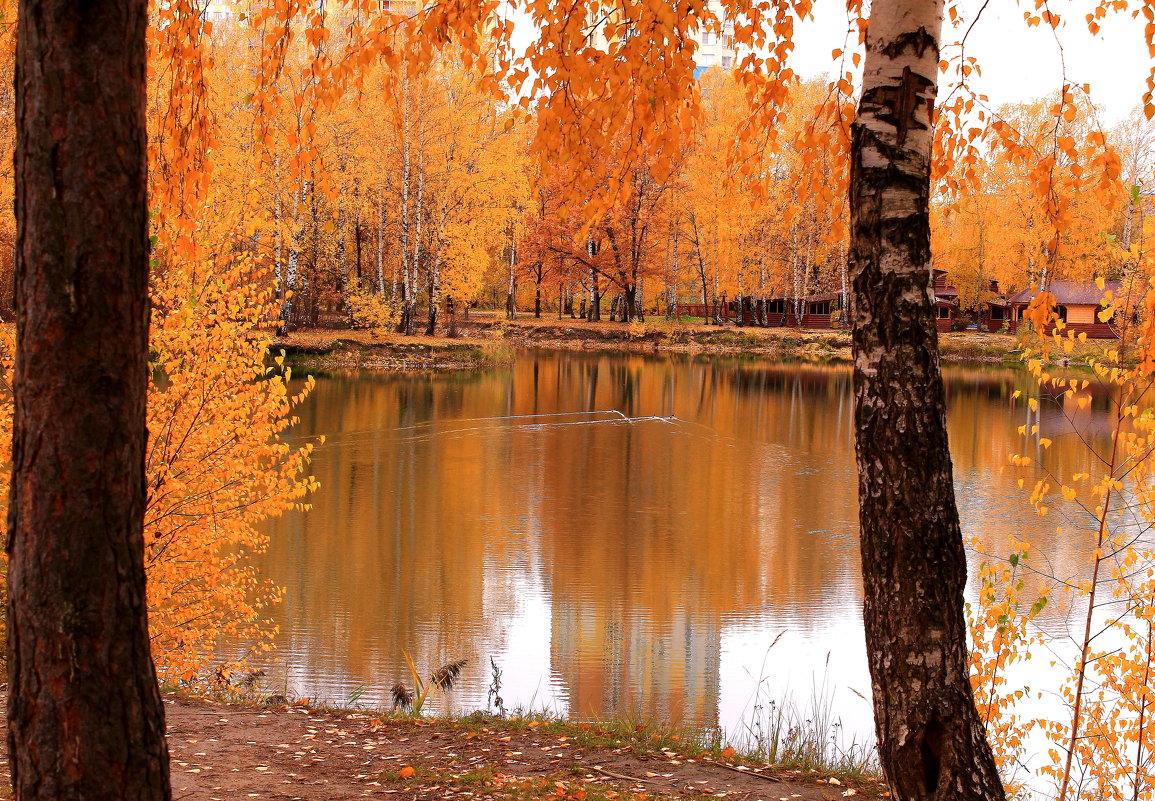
x: 1018, y: 63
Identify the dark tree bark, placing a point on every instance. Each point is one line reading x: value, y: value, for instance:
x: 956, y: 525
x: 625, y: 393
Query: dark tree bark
x: 931, y: 740
x: 630, y: 308
x: 85, y: 717
x: 434, y: 288
x: 594, y: 310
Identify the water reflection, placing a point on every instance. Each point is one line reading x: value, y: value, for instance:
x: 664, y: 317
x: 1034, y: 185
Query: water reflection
x: 608, y: 567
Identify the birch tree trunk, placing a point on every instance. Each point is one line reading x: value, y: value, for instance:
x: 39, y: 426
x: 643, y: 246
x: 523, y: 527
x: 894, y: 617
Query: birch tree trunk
x: 931, y: 739
x: 407, y: 288
x: 434, y: 280
x: 411, y: 272
x: 292, y: 267
x: 381, y: 247
x: 85, y: 716
x: 511, y: 288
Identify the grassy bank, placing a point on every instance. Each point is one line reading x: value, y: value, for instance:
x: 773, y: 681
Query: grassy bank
x: 233, y: 745
x: 488, y: 341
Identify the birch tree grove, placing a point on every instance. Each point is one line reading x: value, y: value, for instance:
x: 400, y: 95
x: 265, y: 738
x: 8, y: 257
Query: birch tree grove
x: 298, y: 155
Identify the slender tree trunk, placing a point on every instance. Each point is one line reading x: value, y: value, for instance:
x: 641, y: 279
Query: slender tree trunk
x: 342, y: 265
x: 931, y: 739
x: 702, y: 273
x: 85, y: 716
x: 358, y: 262
x: 278, y: 267
x: 594, y: 310
x: 292, y: 267
x: 595, y: 307
x: 847, y: 314
x: 381, y: 247
x: 405, y: 325
x: 434, y: 294
x: 411, y: 272
x: 511, y: 290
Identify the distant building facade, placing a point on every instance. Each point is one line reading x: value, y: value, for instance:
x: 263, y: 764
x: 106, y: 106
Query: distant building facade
x: 218, y: 10
x: 714, y: 48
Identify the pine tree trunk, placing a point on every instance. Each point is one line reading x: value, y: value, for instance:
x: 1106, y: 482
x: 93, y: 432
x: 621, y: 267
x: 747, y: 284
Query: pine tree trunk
x: 85, y: 717
x: 931, y: 739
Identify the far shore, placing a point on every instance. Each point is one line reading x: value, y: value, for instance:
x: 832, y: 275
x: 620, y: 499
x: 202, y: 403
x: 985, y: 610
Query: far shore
x: 487, y: 339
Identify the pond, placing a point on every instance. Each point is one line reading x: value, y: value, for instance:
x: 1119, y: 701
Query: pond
x: 660, y: 537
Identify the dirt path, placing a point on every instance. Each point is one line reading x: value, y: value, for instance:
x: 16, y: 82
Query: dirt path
x: 222, y: 752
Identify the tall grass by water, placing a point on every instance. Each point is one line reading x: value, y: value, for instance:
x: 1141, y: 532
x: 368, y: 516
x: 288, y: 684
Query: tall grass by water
x: 781, y: 731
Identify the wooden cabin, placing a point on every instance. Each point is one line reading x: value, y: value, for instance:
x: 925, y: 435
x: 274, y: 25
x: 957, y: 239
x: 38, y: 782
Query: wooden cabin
x: 1078, y: 306
x: 995, y: 315
x: 946, y: 312
x: 816, y: 311
x: 772, y: 312
x: 945, y: 301
x: 947, y: 308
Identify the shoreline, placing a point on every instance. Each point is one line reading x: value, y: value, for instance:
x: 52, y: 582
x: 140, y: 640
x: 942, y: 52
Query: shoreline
x: 230, y: 744
x: 487, y: 342
x: 233, y: 746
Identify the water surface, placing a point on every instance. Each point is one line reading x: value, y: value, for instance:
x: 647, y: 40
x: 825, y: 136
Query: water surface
x: 677, y: 564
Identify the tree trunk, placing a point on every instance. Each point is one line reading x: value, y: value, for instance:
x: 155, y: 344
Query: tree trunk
x: 630, y: 311
x: 931, y: 739
x: 511, y: 290
x: 595, y: 307
x: 85, y: 717
x: 381, y: 248
x: 410, y: 313
x: 357, y: 243
x: 434, y: 294
x: 292, y: 267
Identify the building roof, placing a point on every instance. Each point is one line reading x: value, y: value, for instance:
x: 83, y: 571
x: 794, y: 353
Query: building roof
x: 1070, y: 293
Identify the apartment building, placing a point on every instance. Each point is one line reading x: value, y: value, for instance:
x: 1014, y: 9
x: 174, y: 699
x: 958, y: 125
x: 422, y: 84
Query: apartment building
x: 218, y: 10
x: 715, y: 48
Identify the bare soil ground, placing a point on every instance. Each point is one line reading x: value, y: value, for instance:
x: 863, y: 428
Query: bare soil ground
x: 223, y: 752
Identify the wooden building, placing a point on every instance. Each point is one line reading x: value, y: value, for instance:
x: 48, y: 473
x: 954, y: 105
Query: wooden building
x: 773, y: 312
x: 1078, y: 306
x: 945, y: 301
